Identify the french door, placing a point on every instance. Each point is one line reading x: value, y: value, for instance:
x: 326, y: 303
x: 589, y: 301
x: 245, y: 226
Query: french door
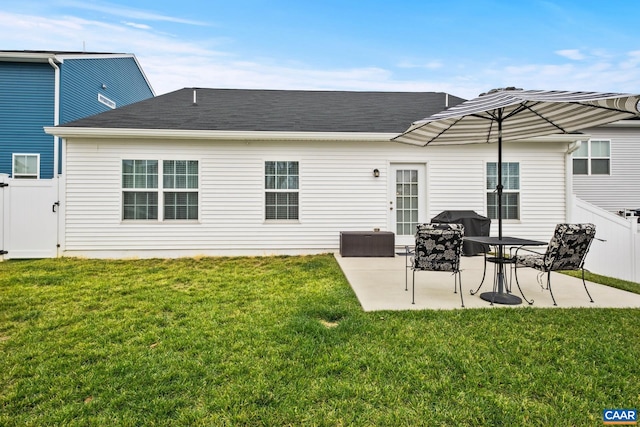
x: 407, y: 204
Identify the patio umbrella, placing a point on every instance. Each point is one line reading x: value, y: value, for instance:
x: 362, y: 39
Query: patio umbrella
x: 515, y: 114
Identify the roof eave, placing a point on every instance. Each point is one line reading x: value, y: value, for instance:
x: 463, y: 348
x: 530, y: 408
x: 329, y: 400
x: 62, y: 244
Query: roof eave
x: 27, y: 57
x: 556, y: 137
x: 10, y: 56
x: 629, y: 123
x: 75, y: 132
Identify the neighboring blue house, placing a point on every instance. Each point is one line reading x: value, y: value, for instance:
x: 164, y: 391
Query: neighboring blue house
x: 46, y: 88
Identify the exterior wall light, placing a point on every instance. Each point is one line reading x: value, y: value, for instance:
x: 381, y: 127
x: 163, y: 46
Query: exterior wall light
x: 376, y: 173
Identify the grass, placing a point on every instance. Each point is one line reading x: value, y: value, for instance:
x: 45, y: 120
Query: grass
x: 283, y: 341
x: 608, y: 281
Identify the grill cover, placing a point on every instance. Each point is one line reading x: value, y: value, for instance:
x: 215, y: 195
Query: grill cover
x: 474, y: 225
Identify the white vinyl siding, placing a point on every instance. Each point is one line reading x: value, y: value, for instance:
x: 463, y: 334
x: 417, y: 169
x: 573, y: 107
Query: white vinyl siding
x: 337, y: 192
x: 619, y: 189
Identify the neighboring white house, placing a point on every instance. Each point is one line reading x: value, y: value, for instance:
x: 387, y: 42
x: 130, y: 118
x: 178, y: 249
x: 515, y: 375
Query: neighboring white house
x: 606, y: 168
x: 251, y: 172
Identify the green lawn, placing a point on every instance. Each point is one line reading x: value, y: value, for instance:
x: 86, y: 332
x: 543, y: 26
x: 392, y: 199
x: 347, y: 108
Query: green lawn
x: 282, y: 341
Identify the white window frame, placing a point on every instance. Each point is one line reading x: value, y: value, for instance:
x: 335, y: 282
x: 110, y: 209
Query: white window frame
x: 505, y: 191
x: 590, y: 158
x: 181, y: 189
x: 18, y: 175
x: 267, y: 190
x: 162, y: 190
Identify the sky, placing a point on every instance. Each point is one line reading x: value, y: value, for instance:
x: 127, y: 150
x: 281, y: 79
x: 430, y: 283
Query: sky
x: 462, y: 47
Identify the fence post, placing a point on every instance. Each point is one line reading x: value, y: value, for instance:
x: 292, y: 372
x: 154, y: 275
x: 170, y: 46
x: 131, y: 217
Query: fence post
x: 634, y: 247
x: 4, y: 201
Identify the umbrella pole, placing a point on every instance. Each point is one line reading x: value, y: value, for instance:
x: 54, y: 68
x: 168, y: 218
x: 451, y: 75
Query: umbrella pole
x: 501, y: 297
x: 499, y: 186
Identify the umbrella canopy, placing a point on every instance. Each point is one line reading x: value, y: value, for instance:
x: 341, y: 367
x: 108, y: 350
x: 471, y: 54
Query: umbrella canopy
x: 522, y: 114
x: 516, y: 114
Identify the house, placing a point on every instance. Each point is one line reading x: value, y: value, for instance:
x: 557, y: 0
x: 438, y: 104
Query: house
x: 605, y: 178
x: 605, y: 166
x: 47, y: 88
x: 252, y: 172
x: 41, y: 89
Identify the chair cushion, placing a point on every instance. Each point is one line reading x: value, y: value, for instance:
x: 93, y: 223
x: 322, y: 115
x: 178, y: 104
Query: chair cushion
x: 566, y: 251
x: 438, y: 247
x: 531, y: 260
x: 569, y: 246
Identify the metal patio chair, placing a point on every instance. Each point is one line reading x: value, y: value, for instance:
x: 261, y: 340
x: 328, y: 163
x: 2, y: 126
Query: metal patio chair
x: 567, y: 250
x: 438, y: 248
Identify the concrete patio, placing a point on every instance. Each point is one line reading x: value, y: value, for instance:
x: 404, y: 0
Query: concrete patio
x: 379, y: 284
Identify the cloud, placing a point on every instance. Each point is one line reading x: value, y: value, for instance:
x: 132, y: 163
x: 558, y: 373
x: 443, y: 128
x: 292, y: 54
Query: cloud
x: 595, y: 75
x: 632, y: 60
x: 431, y: 65
x: 202, y: 71
x: 573, y: 54
x: 128, y: 12
x: 172, y: 63
x: 138, y: 26
x: 23, y: 32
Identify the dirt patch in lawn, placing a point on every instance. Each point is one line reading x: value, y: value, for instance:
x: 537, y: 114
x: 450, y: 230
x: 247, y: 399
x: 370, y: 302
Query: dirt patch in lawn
x: 328, y: 324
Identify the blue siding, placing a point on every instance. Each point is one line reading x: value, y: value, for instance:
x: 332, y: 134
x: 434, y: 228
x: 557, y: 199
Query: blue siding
x: 27, y: 101
x: 82, y: 81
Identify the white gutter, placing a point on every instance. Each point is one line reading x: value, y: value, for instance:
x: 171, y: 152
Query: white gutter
x: 69, y: 132
x: 574, y: 146
x: 56, y: 143
x: 26, y: 56
x: 623, y: 124
x: 560, y: 137
x: 228, y: 135
x: 56, y: 116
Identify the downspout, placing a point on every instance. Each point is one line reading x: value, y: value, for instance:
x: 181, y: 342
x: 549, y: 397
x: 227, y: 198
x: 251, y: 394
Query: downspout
x: 56, y: 116
x: 568, y: 180
x: 56, y: 149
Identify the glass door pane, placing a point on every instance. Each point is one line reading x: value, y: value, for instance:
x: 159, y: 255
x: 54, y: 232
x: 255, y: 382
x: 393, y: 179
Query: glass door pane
x: 406, y: 201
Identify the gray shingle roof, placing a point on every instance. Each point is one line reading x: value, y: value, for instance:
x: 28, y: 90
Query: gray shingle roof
x: 274, y: 110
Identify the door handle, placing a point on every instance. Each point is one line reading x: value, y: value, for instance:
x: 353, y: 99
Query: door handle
x: 53, y: 208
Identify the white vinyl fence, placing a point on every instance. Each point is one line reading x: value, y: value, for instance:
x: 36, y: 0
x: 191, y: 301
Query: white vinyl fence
x: 28, y: 218
x: 618, y: 256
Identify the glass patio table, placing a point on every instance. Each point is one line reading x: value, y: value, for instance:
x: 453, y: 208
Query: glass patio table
x: 500, y: 294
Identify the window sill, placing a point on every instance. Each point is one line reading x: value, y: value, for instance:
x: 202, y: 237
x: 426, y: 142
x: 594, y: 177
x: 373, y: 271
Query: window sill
x: 157, y: 222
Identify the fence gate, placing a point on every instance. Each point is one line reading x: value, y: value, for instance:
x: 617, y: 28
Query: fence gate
x: 619, y: 255
x: 28, y: 218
